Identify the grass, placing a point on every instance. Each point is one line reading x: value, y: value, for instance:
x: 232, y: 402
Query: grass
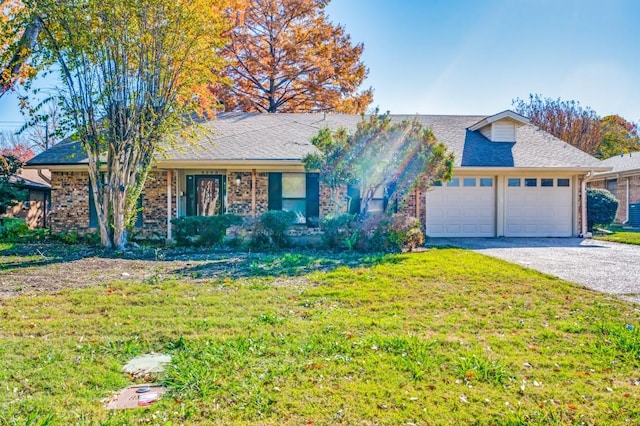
x: 621, y: 235
x: 441, y: 337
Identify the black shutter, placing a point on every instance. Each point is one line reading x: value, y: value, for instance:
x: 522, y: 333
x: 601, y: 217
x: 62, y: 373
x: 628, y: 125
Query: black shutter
x: 353, y: 192
x: 93, y: 213
x: 313, y: 199
x: 138, y: 223
x: 275, y: 191
x: 191, y: 196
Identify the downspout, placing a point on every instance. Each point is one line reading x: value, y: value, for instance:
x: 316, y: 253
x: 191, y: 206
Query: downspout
x: 583, y: 203
x: 628, y: 199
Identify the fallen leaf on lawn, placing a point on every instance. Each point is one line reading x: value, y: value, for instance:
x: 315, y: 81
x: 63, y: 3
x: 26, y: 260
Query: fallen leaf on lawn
x: 571, y: 407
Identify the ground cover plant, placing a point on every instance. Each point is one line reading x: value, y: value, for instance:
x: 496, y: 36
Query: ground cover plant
x: 444, y: 336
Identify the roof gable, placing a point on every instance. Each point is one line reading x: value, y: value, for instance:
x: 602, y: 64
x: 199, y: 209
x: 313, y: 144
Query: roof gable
x: 500, y: 127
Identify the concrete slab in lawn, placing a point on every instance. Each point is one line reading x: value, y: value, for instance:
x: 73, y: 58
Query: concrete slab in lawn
x: 599, y: 265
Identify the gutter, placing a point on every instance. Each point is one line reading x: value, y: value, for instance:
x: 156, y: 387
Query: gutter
x: 48, y: 180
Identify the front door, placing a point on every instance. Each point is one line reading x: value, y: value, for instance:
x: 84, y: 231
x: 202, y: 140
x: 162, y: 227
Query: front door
x: 205, y: 195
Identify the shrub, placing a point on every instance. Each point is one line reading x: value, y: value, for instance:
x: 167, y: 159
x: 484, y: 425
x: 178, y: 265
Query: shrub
x: 602, y: 207
x: 203, y: 230
x: 340, y: 232
x: 272, y: 229
x: 388, y: 233
x: 405, y: 232
x: 13, y: 228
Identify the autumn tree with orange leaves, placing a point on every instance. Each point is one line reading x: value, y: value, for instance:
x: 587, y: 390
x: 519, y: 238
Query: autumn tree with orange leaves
x: 286, y: 56
x: 19, y: 32
x: 566, y: 120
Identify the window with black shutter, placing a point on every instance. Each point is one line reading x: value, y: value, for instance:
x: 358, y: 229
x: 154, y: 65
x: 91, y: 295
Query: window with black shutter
x: 298, y: 193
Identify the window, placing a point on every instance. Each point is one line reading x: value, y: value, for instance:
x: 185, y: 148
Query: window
x: 93, y: 212
x: 612, y: 186
x: 563, y: 182
x: 437, y: 183
x: 294, y: 193
x: 298, y: 193
x: 454, y: 182
x: 531, y: 182
x: 469, y: 182
x: 486, y: 182
x: 514, y: 182
x: 546, y: 182
x: 376, y: 205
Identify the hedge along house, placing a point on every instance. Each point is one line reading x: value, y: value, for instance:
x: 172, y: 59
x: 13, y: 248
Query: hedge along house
x: 510, y: 178
x: 623, y: 181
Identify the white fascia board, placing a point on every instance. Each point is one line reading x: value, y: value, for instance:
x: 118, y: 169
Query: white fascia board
x: 517, y: 118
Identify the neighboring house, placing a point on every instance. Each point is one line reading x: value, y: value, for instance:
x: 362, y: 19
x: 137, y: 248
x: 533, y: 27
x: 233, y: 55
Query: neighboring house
x: 623, y: 181
x: 510, y: 178
x: 35, y: 209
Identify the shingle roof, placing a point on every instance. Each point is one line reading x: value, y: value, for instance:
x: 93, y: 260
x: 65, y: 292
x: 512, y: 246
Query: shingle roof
x: 256, y: 137
x: 622, y: 163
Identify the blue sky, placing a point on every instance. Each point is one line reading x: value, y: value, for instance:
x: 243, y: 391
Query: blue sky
x: 474, y: 57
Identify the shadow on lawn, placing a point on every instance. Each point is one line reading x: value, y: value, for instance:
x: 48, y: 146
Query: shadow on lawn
x: 19, y: 256
x: 195, y: 263
x: 288, y: 264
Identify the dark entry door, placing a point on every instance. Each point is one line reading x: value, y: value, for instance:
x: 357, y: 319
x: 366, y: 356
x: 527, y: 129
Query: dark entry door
x: 205, y: 195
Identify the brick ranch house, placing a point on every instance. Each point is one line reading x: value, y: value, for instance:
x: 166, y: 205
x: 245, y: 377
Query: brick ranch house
x: 623, y: 181
x: 510, y: 178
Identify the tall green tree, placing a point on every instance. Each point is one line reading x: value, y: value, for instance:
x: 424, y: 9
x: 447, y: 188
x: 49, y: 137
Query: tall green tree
x: 395, y: 155
x: 286, y: 56
x: 133, y: 73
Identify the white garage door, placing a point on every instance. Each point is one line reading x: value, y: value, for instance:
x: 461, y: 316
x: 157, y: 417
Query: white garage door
x: 464, y: 207
x: 538, y: 207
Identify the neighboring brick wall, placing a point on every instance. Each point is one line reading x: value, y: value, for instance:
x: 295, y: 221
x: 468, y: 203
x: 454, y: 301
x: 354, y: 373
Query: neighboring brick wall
x: 35, y: 213
x: 621, y: 194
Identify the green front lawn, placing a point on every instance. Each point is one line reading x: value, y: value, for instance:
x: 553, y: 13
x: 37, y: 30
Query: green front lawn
x: 621, y: 235
x: 441, y: 337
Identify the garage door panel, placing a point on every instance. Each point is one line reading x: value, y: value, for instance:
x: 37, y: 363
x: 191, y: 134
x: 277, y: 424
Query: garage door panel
x: 538, y: 211
x: 460, y: 211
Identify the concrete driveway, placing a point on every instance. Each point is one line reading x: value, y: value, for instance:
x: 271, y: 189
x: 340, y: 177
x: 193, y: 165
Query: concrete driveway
x: 599, y: 265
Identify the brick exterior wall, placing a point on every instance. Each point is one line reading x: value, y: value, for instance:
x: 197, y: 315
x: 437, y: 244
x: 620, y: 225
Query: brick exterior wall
x: 621, y: 193
x: 239, y: 196
x: 70, y: 204
x: 328, y: 206
x: 154, y: 206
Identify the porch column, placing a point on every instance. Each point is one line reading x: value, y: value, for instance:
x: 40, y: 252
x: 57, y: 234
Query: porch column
x: 253, y: 192
x: 169, y: 179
